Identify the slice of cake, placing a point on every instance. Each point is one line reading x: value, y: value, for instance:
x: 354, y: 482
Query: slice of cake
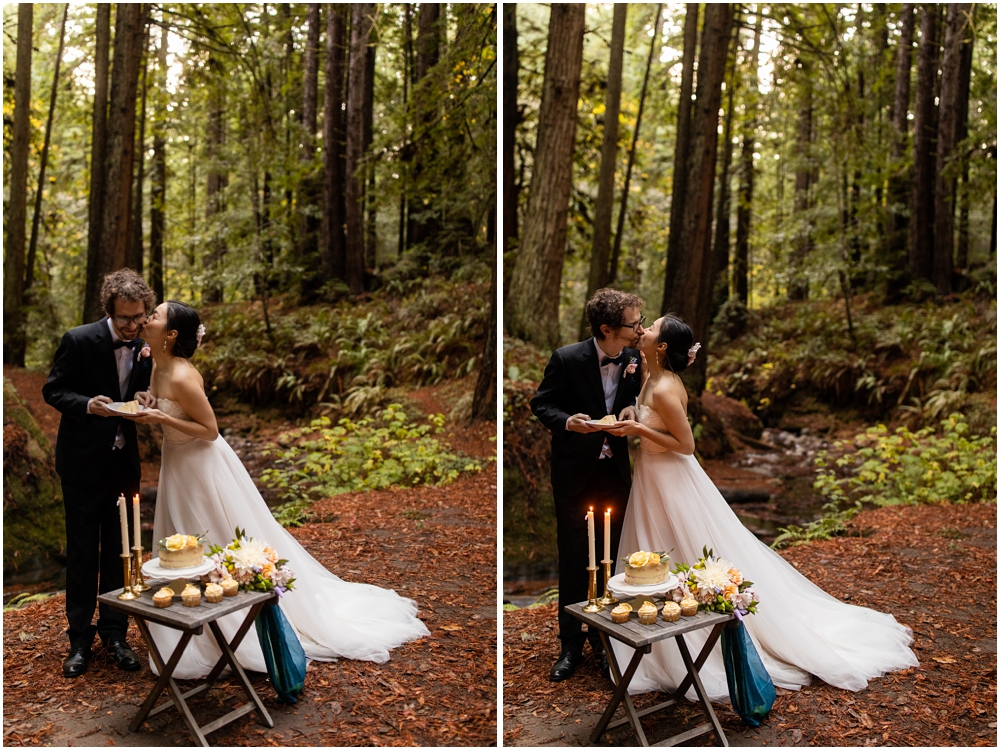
x: 130, y: 407
x: 609, y: 419
x: 646, y: 568
x: 181, y: 551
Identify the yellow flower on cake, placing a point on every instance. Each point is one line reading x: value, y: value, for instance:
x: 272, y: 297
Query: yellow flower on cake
x: 638, y: 559
x: 175, y: 543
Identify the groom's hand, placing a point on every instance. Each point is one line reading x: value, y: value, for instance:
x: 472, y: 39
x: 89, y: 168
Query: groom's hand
x: 578, y: 423
x: 98, y: 406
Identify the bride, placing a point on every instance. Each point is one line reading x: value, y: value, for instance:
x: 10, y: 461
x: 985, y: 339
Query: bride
x: 799, y: 629
x: 204, y: 486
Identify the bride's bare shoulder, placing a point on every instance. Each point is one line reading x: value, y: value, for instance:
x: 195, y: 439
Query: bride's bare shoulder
x: 187, y: 379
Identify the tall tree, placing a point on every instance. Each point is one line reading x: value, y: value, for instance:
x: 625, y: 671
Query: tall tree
x: 368, y: 110
x: 407, y: 83
x: 17, y: 207
x: 361, y: 26
x: 532, y: 308
x: 622, y: 210
x: 429, y: 26
x: 98, y: 150
x: 901, y: 174
x: 333, y: 141
x: 484, y: 397
x: 116, y: 218
x: 682, y: 147
x: 924, y: 137
x: 689, y: 291
x: 158, y: 188
x: 135, y: 251
x: 948, y: 128
x: 609, y: 158
x: 744, y: 208
x: 212, y: 289
x: 29, y: 275
x: 798, y: 283
x: 308, y: 189
x: 719, y: 288
x: 964, y: 81
x: 511, y: 118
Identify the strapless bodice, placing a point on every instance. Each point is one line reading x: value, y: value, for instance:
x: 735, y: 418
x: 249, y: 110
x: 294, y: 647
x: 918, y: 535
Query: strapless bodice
x: 650, y: 418
x: 173, y: 409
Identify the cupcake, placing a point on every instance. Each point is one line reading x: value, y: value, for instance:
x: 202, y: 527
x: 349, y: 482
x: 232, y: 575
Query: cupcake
x: 229, y: 587
x: 671, y: 611
x: 647, y: 613
x: 689, y: 607
x: 213, y: 593
x: 191, y: 596
x: 163, y: 598
x: 620, y: 613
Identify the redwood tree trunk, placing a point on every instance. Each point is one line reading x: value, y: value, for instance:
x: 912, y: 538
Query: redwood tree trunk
x: 511, y: 118
x: 484, y: 397
x: 901, y: 174
x: 116, y: 220
x: 135, y: 245
x: 333, y: 142
x: 98, y: 149
x: 964, y: 80
x: 361, y: 26
x: 924, y: 135
x: 681, y: 150
x: 532, y: 308
x: 744, y: 209
x: 798, y: 285
x: 609, y: 159
x: 720, y: 245
x: 158, y: 188
x: 214, y: 193
x: 948, y: 126
x: 690, y: 282
x: 429, y: 25
x: 368, y: 114
x: 14, y: 342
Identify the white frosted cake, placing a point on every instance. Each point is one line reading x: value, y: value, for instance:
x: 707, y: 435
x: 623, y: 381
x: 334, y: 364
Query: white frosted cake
x: 181, y: 551
x: 646, y: 568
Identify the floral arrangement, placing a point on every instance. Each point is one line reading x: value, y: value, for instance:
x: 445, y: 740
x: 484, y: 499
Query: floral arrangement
x: 252, y: 564
x: 717, y: 585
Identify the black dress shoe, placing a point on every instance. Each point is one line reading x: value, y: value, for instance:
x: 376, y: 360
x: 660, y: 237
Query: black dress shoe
x: 565, y: 666
x: 601, y: 658
x: 76, y: 663
x: 124, y: 656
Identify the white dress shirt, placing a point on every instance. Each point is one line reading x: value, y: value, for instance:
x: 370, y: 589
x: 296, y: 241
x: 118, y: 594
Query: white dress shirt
x: 611, y: 375
x: 124, y: 358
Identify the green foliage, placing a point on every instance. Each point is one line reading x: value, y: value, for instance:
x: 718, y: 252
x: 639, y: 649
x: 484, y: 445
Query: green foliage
x: 901, y: 467
x: 23, y: 599
x: 368, y: 454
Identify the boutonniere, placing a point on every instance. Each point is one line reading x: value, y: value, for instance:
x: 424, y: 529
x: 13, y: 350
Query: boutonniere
x: 144, y: 353
x: 630, y: 367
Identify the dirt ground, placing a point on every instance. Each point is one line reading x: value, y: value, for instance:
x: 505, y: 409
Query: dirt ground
x: 436, y: 545
x: 936, y: 573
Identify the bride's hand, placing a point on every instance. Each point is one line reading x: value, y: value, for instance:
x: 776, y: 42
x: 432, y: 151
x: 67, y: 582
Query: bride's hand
x: 145, y: 398
x: 628, y: 413
x: 623, y: 429
x: 146, y: 416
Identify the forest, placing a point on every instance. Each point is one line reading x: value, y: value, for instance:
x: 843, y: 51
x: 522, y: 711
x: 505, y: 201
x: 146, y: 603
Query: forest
x: 812, y: 187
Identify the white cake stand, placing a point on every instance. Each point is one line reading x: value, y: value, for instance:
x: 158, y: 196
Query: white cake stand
x: 152, y: 569
x: 618, y: 586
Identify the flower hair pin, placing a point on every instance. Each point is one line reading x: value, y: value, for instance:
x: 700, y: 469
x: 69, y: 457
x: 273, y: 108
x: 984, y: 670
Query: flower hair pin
x: 143, y: 353
x: 199, y: 333
x: 693, y: 352
x: 630, y: 367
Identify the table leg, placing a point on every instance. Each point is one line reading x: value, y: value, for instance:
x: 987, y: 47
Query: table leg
x: 229, y: 655
x: 632, y: 716
x: 620, y: 693
x: 700, y: 689
x: 235, y: 643
x: 166, y: 680
x: 703, y: 655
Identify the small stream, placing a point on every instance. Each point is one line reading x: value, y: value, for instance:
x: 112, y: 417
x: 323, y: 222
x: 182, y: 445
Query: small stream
x: 774, y: 490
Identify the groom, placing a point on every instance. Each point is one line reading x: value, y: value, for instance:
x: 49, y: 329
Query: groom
x: 97, y: 458
x: 590, y: 468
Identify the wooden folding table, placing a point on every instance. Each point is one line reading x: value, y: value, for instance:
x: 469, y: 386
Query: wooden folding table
x: 641, y: 638
x: 191, y: 621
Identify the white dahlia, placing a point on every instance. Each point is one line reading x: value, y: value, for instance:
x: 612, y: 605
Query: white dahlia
x: 715, y: 574
x: 250, y: 555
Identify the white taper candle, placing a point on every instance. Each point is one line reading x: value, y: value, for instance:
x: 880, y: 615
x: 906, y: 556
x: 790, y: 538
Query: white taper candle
x: 590, y: 538
x: 607, y: 534
x: 136, y: 532
x: 123, y: 512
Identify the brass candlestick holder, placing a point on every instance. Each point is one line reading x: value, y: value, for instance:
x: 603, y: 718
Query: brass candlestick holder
x: 608, y: 600
x: 139, y: 584
x: 127, y: 593
x: 595, y: 604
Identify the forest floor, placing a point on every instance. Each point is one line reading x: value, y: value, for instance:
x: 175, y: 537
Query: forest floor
x: 933, y: 567
x: 434, y: 544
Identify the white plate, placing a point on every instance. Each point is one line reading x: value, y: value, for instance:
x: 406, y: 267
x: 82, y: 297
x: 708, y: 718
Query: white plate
x: 116, y: 406
x: 596, y: 423
x: 152, y: 569
x: 618, y: 586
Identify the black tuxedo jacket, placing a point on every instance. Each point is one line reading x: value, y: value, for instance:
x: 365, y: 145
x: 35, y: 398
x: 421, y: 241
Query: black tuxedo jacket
x: 84, y: 367
x: 572, y: 385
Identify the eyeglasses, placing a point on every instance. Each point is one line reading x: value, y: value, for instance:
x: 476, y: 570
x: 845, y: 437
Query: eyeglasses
x: 122, y: 322
x: 637, y: 324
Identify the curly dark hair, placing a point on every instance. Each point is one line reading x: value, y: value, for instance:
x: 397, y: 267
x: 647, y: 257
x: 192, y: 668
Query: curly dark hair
x: 607, y: 307
x: 678, y: 337
x: 127, y: 285
x: 184, y: 319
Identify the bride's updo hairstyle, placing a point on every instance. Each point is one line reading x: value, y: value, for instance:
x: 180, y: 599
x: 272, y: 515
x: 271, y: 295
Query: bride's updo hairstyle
x: 183, y: 319
x: 678, y: 337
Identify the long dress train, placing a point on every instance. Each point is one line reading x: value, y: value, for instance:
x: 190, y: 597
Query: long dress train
x: 205, y: 487
x: 799, y: 629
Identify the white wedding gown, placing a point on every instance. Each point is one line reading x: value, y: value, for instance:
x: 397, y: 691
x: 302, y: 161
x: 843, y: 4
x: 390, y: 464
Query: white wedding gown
x: 205, y: 487
x: 799, y: 630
